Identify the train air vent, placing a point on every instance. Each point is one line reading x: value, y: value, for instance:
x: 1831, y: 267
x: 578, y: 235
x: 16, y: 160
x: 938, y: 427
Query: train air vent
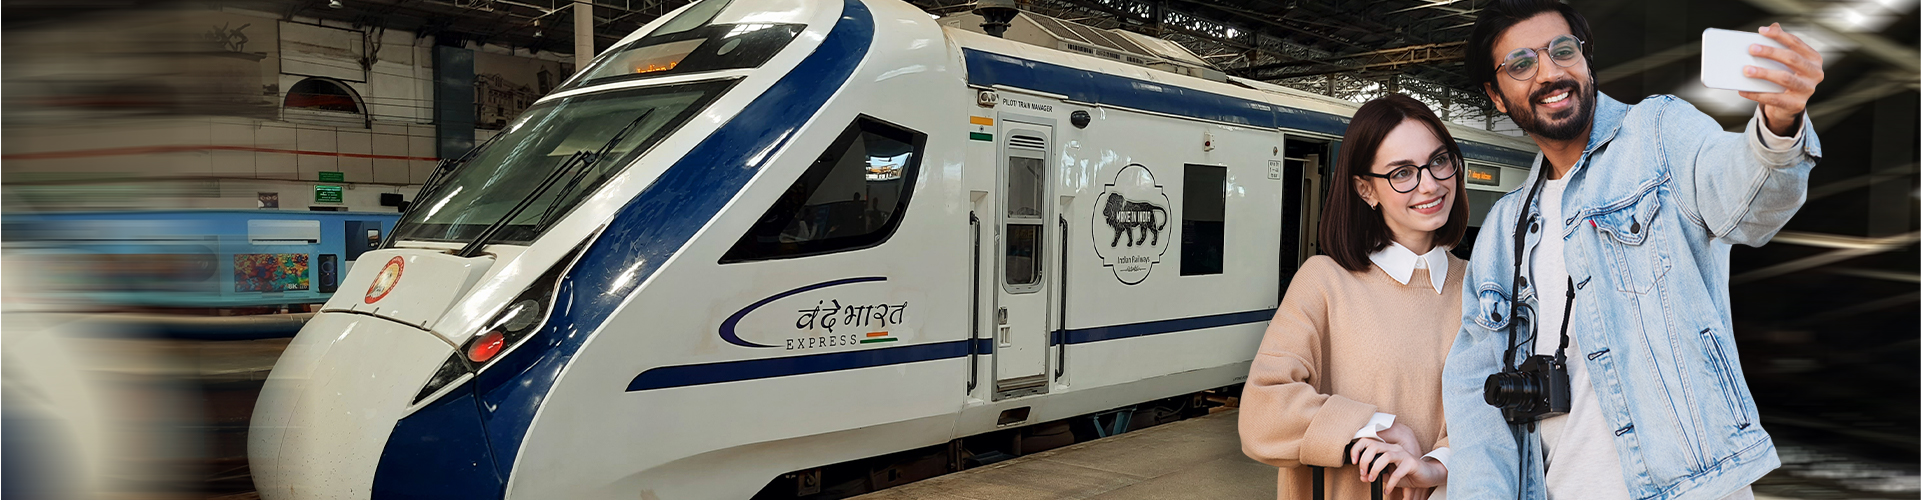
x: 1027, y: 142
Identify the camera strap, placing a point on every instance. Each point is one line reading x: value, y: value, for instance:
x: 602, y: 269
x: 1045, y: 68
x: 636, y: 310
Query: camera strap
x: 1560, y: 354
x: 1520, y: 245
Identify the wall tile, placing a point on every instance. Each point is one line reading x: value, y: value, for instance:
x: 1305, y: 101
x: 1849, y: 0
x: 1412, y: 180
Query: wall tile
x: 229, y: 134
x: 231, y: 163
x: 419, y: 170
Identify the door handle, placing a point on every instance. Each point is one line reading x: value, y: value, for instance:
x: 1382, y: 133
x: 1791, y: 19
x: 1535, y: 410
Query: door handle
x: 1000, y: 316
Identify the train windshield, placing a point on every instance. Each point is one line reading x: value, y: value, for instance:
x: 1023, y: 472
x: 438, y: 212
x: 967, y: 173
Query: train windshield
x: 561, y: 134
x: 692, y: 50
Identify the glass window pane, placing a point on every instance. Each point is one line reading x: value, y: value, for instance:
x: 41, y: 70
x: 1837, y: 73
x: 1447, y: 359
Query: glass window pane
x: 1023, y: 254
x: 696, y: 16
x: 850, y: 198
x: 707, y: 48
x: 1024, y: 190
x: 1203, y: 219
x: 490, y: 183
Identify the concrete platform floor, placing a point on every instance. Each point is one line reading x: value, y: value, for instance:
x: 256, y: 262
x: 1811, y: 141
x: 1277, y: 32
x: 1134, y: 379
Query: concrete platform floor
x: 1197, y: 458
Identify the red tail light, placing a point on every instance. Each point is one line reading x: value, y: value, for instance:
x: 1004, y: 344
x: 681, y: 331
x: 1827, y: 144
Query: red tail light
x: 487, y: 346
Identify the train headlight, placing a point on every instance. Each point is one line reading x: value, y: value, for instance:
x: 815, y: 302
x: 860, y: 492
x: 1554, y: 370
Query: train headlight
x: 512, y: 325
x: 519, y: 321
x: 486, y: 347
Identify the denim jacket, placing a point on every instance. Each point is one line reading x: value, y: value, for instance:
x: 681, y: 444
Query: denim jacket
x: 1656, y: 201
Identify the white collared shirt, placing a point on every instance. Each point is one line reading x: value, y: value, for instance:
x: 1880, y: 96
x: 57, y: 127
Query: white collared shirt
x: 1400, y: 263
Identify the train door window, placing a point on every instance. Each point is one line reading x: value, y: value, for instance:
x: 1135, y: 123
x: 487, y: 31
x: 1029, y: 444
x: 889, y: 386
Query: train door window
x: 852, y: 197
x: 1024, y: 196
x: 1203, y: 219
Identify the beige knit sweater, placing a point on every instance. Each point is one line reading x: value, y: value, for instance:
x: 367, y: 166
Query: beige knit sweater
x: 1342, y: 346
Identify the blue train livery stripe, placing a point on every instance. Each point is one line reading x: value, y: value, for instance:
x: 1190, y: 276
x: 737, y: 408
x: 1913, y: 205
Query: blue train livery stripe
x: 1093, y: 334
x: 984, y: 346
x: 420, y: 462
x: 1495, y: 154
x: 989, y: 69
x: 742, y: 370
x: 676, y: 376
x: 643, y: 234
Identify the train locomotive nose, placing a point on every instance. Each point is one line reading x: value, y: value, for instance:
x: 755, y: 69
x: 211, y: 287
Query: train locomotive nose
x: 332, y: 401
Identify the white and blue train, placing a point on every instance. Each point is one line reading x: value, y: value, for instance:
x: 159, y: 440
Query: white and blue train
x: 765, y: 236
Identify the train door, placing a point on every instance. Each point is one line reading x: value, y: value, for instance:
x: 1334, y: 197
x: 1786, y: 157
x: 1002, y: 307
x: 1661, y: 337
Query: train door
x: 1313, y: 192
x: 1304, y: 181
x: 1024, y: 246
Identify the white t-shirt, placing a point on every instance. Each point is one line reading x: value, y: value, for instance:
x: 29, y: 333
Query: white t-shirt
x: 1579, y: 445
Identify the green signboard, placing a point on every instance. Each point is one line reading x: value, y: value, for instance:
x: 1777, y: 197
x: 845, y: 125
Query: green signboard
x: 331, y: 176
x: 326, y: 194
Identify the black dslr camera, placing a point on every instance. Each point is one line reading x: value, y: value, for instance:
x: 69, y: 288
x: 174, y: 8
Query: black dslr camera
x: 1537, y: 390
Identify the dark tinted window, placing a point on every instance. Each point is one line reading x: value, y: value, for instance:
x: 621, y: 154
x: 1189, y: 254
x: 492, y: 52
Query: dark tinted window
x: 1203, y: 219
x: 852, y: 197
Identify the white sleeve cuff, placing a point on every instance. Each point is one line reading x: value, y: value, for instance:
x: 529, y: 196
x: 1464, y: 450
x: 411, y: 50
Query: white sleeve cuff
x: 1441, y: 454
x: 1380, y: 421
x: 1773, y: 142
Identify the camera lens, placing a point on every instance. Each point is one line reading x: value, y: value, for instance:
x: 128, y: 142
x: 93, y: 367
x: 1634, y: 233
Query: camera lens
x: 1495, y: 390
x: 1509, y: 389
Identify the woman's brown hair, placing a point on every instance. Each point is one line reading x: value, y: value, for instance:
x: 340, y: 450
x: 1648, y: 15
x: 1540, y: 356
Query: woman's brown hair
x: 1350, y: 230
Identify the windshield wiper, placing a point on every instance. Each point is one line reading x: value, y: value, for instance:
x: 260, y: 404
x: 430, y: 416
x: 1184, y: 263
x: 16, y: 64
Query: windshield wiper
x: 431, y: 186
x: 606, y: 149
x: 579, y: 160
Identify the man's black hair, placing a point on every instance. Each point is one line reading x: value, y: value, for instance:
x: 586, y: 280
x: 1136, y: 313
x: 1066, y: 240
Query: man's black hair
x: 1495, y: 19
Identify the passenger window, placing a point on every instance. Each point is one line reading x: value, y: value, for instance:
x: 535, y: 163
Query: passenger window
x: 1023, y: 187
x: 1025, y: 194
x: 1023, y: 252
x: 1203, y: 219
x: 851, y: 198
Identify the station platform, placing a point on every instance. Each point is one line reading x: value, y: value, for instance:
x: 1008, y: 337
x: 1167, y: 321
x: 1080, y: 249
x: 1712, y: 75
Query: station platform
x: 1197, y: 458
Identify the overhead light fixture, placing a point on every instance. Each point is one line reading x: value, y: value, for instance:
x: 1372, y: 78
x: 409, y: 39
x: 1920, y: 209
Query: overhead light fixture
x: 334, y: 4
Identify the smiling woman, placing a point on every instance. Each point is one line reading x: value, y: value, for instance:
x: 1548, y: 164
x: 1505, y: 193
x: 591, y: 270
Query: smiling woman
x: 1392, y: 214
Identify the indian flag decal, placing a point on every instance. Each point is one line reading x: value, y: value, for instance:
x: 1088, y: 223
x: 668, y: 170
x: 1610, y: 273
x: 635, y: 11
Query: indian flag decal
x: 983, y: 129
x: 878, y: 337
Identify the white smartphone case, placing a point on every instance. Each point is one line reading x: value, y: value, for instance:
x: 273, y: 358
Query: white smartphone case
x: 1725, y: 52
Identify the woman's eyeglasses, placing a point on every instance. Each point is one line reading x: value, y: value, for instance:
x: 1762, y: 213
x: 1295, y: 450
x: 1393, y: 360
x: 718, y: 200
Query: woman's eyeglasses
x: 1523, y: 63
x: 1407, y: 177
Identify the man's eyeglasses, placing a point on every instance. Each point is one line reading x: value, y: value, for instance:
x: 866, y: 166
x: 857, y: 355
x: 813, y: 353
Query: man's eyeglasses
x: 1407, y: 177
x: 1524, y: 62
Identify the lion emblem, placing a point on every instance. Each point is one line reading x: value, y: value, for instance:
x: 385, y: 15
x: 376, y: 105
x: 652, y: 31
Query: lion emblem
x: 1125, y: 216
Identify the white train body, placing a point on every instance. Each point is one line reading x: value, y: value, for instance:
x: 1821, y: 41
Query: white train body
x: 688, y: 343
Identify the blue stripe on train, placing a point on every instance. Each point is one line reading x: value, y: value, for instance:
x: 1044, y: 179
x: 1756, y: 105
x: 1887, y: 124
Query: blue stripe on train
x: 745, y: 370
x: 1094, y: 334
x: 989, y: 69
x: 742, y: 370
x: 641, y: 236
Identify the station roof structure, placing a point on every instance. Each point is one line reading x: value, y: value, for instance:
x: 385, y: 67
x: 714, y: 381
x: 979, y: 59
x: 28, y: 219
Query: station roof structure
x: 1350, y: 49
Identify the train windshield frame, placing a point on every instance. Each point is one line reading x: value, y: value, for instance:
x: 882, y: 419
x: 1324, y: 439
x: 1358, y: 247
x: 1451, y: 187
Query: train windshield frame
x: 705, y: 48
x: 487, y: 187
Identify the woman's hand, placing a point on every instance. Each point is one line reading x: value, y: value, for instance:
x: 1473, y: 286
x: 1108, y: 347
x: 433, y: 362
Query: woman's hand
x: 1401, y: 435
x: 1374, y: 457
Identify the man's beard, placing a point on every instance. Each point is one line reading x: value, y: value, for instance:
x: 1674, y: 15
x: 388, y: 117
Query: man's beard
x: 1567, y: 130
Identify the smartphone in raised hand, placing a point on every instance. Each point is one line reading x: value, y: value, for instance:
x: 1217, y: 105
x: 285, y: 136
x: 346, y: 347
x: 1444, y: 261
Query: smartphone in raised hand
x: 1725, y: 52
